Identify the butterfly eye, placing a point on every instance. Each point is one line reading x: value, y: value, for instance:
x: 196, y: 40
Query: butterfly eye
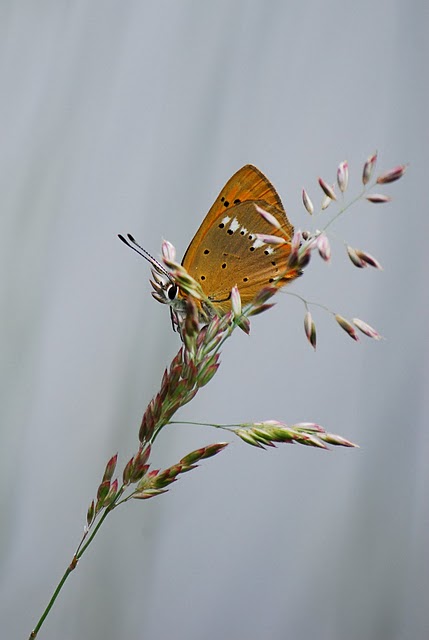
x: 172, y: 292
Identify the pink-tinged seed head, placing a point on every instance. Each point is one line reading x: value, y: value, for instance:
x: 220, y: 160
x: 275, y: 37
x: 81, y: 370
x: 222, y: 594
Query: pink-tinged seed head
x: 327, y: 189
x: 366, y: 329
x: 378, y: 198
x: 310, y: 329
x: 269, y: 424
x: 308, y: 426
x: 347, y: 326
x: 90, y: 513
x: 213, y: 449
x: 323, y: 247
x: 343, y: 176
x: 392, y: 175
x: 369, y: 259
x: 256, y: 310
x: 333, y: 439
x: 368, y: 168
x: 168, y: 251
x: 114, y: 486
x: 296, y: 240
x: 354, y: 257
x: 236, y: 301
x: 268, y: 217
x: 307, y: 202
x: 304, y: 258
x: 244, y: 324
x: 326, y: 201
x: 265, y: 294
x: 110, y: 468
x: 267, y: 239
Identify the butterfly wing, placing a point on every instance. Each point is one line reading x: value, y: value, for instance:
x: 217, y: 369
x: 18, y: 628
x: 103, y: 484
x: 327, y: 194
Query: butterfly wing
x: 248, y: 183
x: 225, y: 252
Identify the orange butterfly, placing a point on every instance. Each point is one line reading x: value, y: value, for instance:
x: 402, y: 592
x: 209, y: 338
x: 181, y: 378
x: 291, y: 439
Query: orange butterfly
x: 225, y: 250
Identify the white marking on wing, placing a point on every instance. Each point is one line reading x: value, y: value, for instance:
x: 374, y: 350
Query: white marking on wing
x: 258, y: 243
x: 234, y: 225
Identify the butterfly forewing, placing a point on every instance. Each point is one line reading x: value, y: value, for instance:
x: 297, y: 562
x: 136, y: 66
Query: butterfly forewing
x: 247, y: 184
x: 225, y: 251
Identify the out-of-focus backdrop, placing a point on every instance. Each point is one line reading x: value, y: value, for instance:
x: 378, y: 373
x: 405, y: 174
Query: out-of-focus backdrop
x: 129, y: 117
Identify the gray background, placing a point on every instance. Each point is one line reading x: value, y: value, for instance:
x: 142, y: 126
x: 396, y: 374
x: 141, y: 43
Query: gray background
x: 130, y: 116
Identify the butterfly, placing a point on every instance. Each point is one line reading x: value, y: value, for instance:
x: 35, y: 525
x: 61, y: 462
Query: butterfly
x: 226, y: 251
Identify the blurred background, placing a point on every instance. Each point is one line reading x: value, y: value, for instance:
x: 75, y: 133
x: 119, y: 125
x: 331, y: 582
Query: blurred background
x: 129, y: 117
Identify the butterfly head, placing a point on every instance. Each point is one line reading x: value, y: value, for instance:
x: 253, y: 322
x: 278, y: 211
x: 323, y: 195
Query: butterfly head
x: 173, y: 285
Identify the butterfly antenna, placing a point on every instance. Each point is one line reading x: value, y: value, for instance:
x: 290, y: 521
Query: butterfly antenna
x: 132, y: 244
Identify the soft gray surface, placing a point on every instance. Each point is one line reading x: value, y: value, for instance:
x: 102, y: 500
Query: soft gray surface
x: 129, y: 116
